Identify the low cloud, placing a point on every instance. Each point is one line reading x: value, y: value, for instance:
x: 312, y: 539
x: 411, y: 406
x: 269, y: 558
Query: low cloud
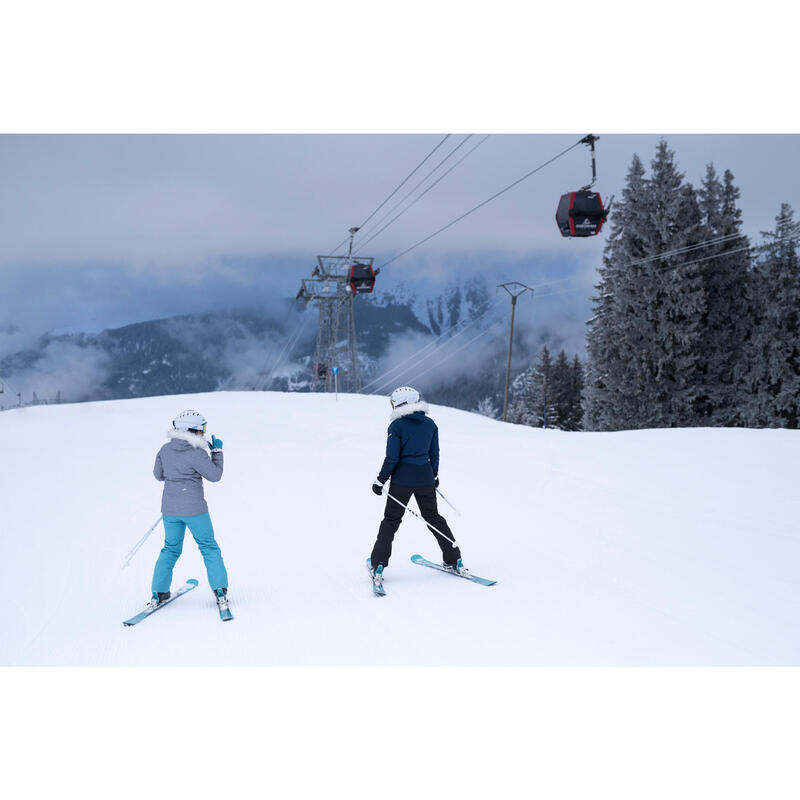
x: 65, y: 369
x: 254, y: 362
x: 13, y: 340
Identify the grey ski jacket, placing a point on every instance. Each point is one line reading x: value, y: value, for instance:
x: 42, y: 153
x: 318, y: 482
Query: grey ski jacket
x: 182, y: 463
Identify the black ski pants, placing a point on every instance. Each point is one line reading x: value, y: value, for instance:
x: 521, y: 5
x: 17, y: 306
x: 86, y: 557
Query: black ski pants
x: 392, y: 516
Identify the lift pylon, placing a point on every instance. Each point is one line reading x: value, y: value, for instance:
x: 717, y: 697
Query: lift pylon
x: 333, y: 285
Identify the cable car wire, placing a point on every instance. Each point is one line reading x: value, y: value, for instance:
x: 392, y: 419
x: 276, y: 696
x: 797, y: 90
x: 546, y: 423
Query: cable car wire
x: 730, y: 237
x: 362, y: 233
x: 400, y: 186
x: 432, y: 344
x: 286, y: 350
x: 725, y: 239
x: 480, y: 205
x: 441, y: 346
x: 450, y: 334
x: 729, y: 253
x: 417, y: 376
x: 463, y: 158
x: 436, y: 344
x: 455, y: 352
x: 683, y: 250
x: 290, y: 349
x: 274, y: 343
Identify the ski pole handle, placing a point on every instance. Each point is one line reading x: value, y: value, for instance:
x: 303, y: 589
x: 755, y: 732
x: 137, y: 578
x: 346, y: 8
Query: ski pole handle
x: 135, y: 549
x: 443, y: 535
x: 448, y: 502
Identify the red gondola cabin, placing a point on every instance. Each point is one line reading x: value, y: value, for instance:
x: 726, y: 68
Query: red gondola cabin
x: 580, y: 213
x: 361, y: 278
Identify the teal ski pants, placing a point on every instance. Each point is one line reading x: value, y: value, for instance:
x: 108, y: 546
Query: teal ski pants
x: 203, y: 533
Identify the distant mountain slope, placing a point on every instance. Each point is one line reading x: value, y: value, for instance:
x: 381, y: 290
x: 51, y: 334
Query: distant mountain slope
x: 228, y: 349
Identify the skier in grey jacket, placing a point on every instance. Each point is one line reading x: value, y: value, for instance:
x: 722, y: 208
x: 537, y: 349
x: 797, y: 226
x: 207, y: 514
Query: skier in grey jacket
x: 182, y: 463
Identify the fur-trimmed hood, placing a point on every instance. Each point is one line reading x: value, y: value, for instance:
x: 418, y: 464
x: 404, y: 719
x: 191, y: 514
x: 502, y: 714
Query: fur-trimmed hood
x: 194, y: 439
x: 409, y: 408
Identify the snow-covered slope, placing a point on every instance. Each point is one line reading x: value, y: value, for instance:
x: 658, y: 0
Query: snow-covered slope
x: 669, y: 547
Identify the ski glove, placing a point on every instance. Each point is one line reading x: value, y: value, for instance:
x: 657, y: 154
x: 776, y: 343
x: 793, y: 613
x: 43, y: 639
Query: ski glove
x: 377, y: 487
x: 436, y: 482
x: 216, y: 444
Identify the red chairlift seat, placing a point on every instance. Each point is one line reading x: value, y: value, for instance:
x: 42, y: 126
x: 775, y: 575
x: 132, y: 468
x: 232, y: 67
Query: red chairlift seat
x: 580, y: 213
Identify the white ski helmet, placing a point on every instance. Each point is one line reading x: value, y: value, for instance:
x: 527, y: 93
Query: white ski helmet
x: 190, y: 420
x: 403, y: 395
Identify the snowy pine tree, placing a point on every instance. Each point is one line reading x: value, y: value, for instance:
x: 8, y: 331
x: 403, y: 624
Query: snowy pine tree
x: 645, y: 341
x: 613, y: 354
x: 548, y: 392
x: 559, y: 394
x: 545, y: 412
x: 727, y: 321
x: 487, y: 408
x: 574, y: 412
x: 522, y: 399
x: 773, y: 352
x: 675, y: 299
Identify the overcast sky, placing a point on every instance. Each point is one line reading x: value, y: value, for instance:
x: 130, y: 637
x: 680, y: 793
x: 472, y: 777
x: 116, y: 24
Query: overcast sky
x: 98, y: 231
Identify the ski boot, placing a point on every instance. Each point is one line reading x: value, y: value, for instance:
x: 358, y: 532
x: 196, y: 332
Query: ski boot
x: 458, y: 568
x: 377, y: 575
x: 221, y: 596
x: 157, y: 599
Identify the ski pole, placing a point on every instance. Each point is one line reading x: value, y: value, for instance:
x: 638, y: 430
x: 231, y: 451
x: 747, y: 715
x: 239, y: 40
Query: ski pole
x: 443, y: 535
x: 448, y: 502
x: 135, y: 549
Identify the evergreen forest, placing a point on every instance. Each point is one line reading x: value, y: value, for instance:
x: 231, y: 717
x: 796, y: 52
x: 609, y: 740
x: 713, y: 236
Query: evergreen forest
x: 692, y: 324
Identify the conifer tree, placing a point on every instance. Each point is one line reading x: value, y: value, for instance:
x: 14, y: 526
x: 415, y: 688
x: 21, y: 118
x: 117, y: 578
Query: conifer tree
x: 487, y: 408
x: 644, y: 342
x: 612, y: 353
x: 773, y: 352
x: 560, y: 382
x: 548, y: 391
x: 521, y: 405
x: 727, y: 321
x: 544, y: 414
x: 575, y: 392
x: 675, y: 300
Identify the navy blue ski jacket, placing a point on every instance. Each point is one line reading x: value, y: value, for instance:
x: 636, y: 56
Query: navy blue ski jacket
x: 412, y: 447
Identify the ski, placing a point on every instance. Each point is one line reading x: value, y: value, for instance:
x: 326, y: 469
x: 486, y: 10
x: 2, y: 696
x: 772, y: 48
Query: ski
x: 187, y: 587
x: 377, y: 588
x: 423, y: 562
x: 225, y: 613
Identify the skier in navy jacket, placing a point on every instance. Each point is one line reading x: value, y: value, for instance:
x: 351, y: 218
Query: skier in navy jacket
x: 412, y: 463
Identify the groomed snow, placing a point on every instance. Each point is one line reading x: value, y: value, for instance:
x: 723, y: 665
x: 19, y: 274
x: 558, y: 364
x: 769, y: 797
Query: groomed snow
x: 659, y: 547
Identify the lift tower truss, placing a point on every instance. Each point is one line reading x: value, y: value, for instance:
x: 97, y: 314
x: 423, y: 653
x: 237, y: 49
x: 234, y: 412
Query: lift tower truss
x: 332, y: 288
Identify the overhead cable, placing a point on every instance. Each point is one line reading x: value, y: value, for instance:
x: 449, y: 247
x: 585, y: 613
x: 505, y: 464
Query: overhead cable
x: 438, y: 347
x: 362, y: 233
x: 450, y: 336
x: 438, y: 180
x: 400, y: 186
x: 480, y: 205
